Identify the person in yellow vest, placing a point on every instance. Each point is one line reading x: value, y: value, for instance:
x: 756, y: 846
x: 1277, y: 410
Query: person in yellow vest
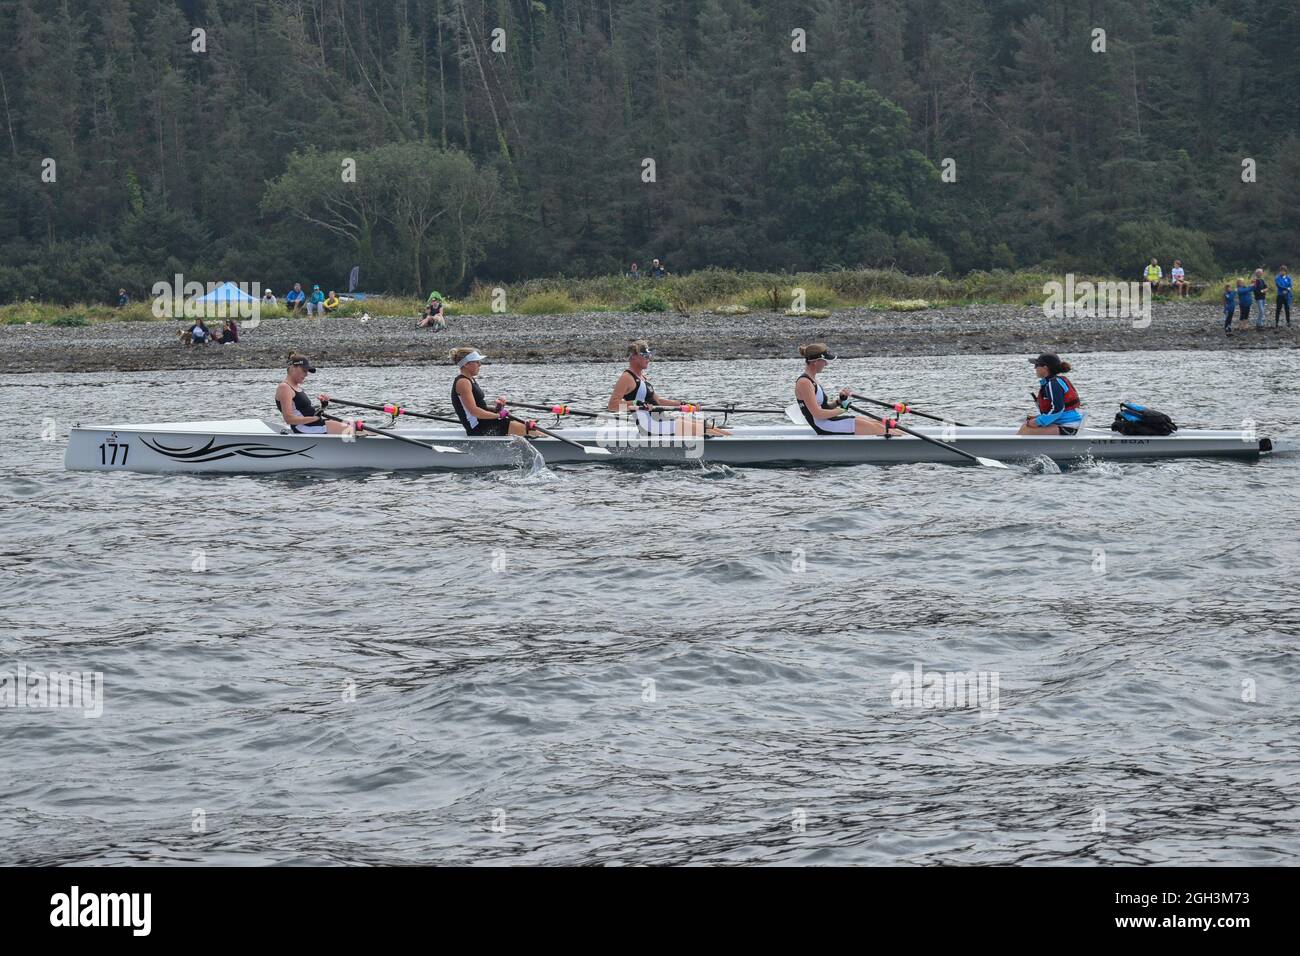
x: 331, y: 301
x: 1153, y: 274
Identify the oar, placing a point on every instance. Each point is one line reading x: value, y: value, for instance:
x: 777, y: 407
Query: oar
x: 559, y: 409
x: 394, y: 410
x: 902, y: 407
x: 586, y: 449
x: 711, y: 408
x: 986, y: 462
x: 363, y: 427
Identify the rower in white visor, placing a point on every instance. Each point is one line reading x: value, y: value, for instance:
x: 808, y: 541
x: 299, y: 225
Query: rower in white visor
x: 470, y: 404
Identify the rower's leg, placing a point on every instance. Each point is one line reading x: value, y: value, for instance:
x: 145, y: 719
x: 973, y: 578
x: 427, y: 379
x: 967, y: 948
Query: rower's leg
x: 867, y: 426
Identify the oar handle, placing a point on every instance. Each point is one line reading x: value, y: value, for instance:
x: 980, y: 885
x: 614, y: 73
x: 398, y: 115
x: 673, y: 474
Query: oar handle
x: 903, y: 407
x: 392, y: 408
x: 557, y: 408
x: 712, y: 408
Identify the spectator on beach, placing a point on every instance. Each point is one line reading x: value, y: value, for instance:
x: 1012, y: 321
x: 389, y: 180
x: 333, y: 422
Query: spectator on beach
x: 316, y: 303
x: 1260, y: 286
x: 331, y: 301
x: 1245, y: 298
x: 199, y: 333
x: 295, y: 298
x: 1178, y: 278
x: 434, y: 316
x: 1229, y: 307
x: 1283, y: 282
x: 657, y: 271
x: 268, y: 298
x: 229, y: 333
x: 634, y: 271
x: 122, y: 298
x: 1153, y: 275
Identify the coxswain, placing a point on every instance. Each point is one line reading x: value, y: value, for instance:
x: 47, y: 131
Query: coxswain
x: 1058, y: 402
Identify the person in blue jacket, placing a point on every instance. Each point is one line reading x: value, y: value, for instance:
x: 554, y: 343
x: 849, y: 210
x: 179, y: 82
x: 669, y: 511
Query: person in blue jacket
x: 1283, y: 283
x: 1229, y: 307
x: 1058, y: 402
x: 1245, y: 298
x: 1259, y: 285
x: 295, y: 298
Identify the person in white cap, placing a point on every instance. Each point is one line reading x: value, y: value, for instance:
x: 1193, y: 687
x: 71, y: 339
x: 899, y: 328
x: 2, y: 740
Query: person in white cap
x: 470, y: 404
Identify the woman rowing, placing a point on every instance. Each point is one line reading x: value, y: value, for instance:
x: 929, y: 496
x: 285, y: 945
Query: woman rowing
x: 296, y: 408
x: 1058, y: 402
x: 471, y: 406
x: 825, y: 417
x: 633, y: 392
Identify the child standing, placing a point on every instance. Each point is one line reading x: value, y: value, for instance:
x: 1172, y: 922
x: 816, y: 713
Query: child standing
x: 1245, y: 298
x: 1229, y: 306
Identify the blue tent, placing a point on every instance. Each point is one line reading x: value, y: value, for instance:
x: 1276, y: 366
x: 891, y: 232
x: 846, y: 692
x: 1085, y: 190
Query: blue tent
x: 227, y: 292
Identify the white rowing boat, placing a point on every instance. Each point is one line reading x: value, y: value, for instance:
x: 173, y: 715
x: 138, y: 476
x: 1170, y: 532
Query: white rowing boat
x: 252, y: 445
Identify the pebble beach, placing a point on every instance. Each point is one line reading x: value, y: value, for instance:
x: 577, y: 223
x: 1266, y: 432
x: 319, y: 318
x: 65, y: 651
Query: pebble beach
x: 603, y: 336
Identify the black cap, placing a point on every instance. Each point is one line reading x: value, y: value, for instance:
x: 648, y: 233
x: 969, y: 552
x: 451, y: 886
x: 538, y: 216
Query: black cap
x: 1048, y: 359
x: 303, y: 362
x: 828, y: 355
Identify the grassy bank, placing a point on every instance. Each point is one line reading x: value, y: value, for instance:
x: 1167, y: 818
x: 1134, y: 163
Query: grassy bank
x: 708, y: 290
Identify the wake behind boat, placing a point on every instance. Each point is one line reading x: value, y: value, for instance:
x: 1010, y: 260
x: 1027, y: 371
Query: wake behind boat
x: 254, y: 446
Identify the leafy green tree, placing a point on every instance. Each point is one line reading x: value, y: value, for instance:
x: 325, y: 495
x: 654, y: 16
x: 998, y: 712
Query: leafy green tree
x: 844, y: 165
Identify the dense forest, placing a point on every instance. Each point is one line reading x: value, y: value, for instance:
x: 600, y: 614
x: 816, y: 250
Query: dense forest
x: 436, y: 142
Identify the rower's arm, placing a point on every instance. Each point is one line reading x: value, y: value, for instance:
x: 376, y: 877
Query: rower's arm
x: 804, y: 391
x: 284, y: 398
x: 466, y: 394
x: 621, y: 388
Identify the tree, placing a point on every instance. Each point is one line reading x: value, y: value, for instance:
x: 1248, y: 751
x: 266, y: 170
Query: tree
x: 401, y: 194
x: 845, y: 166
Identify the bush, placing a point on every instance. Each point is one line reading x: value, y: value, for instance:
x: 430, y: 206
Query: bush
x: 545, y: 303
x: 920, y: 255
x: 1136, y: 242
x: 650, y: 302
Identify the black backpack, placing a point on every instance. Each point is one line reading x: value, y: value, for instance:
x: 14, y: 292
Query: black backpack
x: 1140, y: 420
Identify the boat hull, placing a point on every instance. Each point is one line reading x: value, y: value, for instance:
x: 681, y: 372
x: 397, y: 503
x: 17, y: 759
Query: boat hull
x: 253, y: 446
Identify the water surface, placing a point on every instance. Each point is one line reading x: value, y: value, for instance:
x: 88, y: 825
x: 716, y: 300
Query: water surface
x: 585, y: 664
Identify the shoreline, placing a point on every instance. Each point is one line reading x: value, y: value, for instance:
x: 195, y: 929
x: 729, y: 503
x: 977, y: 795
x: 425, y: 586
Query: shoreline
x: 603, y: 336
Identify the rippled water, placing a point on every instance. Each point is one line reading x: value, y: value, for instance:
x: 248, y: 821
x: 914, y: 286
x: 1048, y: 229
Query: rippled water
x: 590, y: 665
